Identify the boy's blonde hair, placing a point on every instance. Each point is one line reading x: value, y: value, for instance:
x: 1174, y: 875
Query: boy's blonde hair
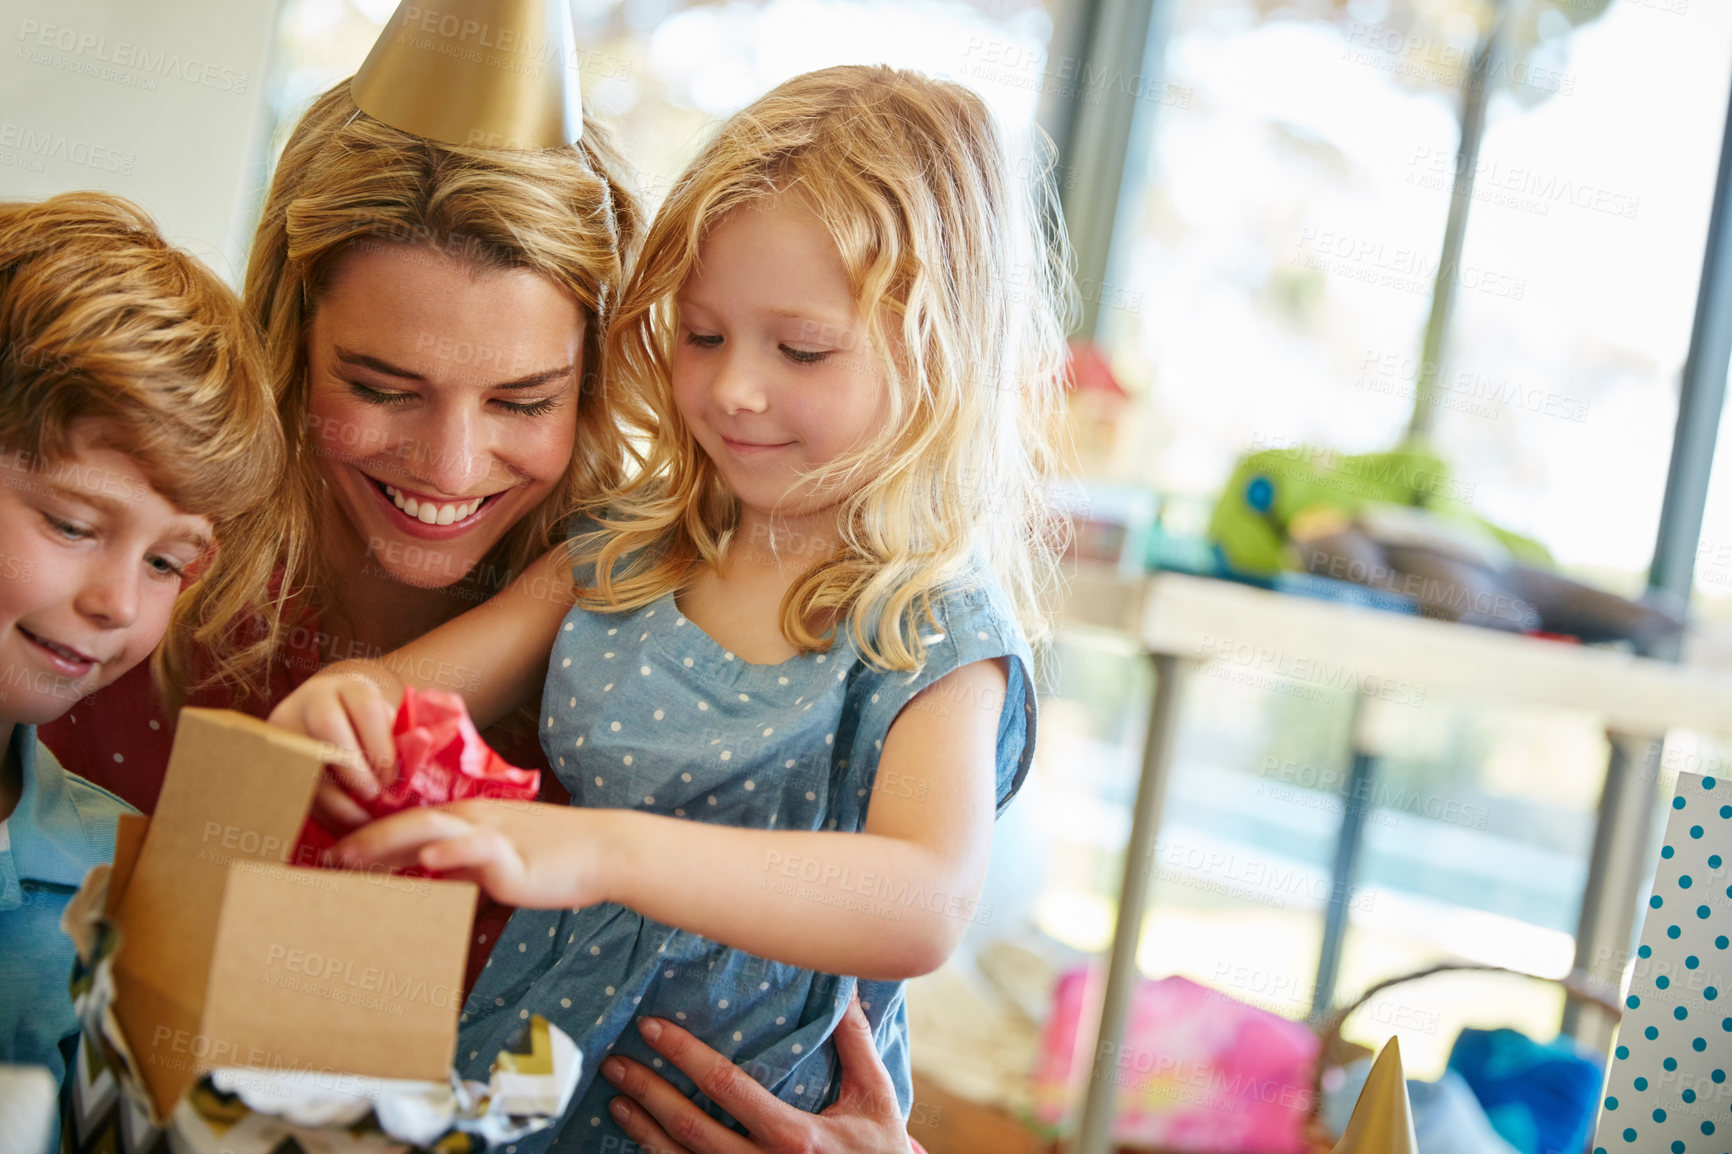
x: 346, y: 180
x: 102, y: 320
x: 912, y: 179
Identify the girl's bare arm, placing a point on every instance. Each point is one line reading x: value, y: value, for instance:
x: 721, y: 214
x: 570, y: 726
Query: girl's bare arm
x: 888, y: 903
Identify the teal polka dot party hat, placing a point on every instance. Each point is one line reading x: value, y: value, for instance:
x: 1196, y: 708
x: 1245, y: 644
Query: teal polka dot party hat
x: 1667, y: 1091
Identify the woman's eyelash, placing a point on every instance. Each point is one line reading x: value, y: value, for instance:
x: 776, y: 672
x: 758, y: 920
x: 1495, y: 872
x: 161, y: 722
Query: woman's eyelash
x: 533, y: 408
x: 377, y: 397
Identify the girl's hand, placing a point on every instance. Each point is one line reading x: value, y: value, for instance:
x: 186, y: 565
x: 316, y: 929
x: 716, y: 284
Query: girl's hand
x: 522, y: 853
x: 865, y: 1118
x: 350, y: 708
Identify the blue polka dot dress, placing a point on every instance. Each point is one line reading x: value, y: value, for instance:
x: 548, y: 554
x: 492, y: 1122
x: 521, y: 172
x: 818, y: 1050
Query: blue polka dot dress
x: 645, y: 711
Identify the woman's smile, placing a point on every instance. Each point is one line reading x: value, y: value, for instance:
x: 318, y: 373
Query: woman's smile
x: 427, y: 510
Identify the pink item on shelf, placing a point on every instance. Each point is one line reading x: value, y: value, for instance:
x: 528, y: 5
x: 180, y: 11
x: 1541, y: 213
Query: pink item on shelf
x: 1197, y: 1071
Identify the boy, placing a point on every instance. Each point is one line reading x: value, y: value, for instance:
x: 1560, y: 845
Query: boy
x: 136, y: 428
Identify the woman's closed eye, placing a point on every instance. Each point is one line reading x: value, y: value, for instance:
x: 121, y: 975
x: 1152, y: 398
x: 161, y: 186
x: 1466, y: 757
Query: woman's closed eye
x: 703, y: 340
x: 530, y: 408
x: 374, y: 396
x: 378, y: 396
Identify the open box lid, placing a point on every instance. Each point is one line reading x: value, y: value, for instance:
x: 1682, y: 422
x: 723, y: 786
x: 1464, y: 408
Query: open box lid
x: 216, y: 932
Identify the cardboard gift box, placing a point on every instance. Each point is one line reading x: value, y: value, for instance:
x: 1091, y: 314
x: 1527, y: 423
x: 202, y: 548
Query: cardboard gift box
x: 230, y: 958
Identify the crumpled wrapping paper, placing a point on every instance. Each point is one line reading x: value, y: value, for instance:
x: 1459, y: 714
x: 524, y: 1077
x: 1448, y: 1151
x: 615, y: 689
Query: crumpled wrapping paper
x: 441, y: 757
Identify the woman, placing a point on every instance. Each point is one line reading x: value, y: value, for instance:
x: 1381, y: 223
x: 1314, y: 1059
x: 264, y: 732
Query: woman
x: 433, y: 317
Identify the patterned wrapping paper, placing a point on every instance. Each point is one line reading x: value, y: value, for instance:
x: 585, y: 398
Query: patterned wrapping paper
x: 1669, y: 1090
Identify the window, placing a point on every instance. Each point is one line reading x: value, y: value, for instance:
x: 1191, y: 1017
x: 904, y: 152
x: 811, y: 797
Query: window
x: 1272, y: 274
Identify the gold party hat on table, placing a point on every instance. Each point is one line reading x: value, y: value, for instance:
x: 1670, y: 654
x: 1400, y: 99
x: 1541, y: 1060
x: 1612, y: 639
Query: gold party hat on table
x: 481, y: 73
x: 1382, y: 1121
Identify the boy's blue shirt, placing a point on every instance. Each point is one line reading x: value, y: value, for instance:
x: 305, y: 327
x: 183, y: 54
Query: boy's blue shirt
x: 62, y: 826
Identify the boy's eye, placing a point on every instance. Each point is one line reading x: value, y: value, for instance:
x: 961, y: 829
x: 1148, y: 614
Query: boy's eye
x: 803, y: 356
x: 165, y: 567
x: 70, y: 530
x: 378, y: 396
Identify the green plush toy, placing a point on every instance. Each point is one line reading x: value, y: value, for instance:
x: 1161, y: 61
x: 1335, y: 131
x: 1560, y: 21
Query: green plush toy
x: 1273, y: 488
x: 1397, y: 522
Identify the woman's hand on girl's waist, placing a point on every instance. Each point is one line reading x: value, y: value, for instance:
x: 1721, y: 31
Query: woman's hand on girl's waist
x: 865, y: 1118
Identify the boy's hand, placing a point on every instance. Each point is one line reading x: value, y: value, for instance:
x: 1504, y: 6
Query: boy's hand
x: 351, y: 709
x: 522, y: 853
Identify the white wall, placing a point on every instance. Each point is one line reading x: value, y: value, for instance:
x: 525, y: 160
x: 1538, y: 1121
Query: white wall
x: 160, y: 101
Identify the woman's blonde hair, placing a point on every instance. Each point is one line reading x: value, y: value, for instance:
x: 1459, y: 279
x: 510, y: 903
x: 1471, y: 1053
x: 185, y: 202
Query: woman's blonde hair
x: 347, y: 180
x: 967, y: 259
x: 102, y: 320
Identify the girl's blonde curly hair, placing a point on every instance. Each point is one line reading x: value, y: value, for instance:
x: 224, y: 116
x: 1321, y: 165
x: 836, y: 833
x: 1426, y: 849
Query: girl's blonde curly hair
x: 967, y: 263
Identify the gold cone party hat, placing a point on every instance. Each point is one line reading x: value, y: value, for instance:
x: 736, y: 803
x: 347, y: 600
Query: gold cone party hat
x: 481, y: 73
x: 1382, y: 1121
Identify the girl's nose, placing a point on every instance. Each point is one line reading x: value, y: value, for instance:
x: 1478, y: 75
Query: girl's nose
x: 735, y: 387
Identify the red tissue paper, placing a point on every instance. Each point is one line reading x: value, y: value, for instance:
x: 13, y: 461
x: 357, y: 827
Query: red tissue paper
x: 441, y: 758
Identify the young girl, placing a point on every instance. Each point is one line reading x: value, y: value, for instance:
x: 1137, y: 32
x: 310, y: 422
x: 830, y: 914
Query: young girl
x: 793, y: 690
